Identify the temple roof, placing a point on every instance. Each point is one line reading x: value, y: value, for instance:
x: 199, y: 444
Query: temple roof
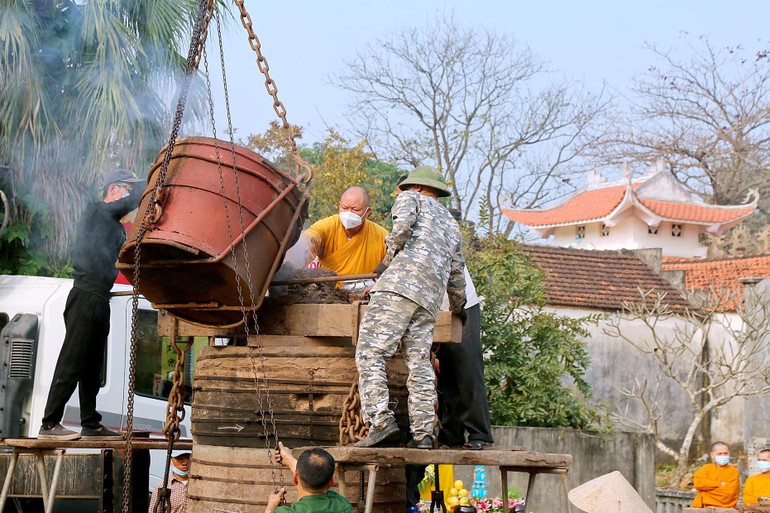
x: 654, y: 198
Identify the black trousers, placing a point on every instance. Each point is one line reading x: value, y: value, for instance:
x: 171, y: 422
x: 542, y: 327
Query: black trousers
x: 81, y: 360
x: 462, y: 396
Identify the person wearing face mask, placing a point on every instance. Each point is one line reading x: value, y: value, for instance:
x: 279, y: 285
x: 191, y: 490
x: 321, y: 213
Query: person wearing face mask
x: 177, y: 483
x: 98, y: 240
x: 759, y: 485
x: 718, y: 483
x: 346, y: 243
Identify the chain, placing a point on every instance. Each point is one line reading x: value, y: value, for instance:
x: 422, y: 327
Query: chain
x: 352, y: 426
x: 151, y: 216
x: 205, y: 8
x: 239, y: 289
x: 175, y: 412
x: 300, y: 164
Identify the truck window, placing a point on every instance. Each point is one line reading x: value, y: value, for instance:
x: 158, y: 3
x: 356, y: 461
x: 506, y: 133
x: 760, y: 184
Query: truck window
x: 3, y: 320
x: 156, y: 359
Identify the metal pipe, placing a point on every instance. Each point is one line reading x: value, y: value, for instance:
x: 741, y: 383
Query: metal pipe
x: 326, y: 279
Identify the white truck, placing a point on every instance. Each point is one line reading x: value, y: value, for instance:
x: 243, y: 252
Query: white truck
x: 32, y: 324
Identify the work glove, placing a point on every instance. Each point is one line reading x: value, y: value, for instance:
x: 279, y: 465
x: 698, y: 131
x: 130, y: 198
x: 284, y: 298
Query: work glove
x: 463, y: 316
x: 379, y: 269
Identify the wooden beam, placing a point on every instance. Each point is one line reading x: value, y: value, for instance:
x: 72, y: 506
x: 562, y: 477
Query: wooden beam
x: 307, y: 320
x: 137, y: 443
x: 403, y: 456
x: 337, y: 320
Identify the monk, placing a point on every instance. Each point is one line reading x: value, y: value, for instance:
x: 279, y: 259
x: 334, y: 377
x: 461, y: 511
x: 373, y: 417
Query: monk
x: 346, y: 243
x: 718, y: 483
x: 759, y: 485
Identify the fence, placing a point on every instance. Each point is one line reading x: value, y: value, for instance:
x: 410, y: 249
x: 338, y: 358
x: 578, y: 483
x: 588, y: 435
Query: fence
x: 672, y: 501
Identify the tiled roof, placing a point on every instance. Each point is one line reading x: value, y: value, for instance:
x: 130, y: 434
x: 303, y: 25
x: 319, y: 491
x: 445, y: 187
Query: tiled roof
x: 604, y: 280
x: 695, y: 213
x: 719, y: 273
x: 585, y: 206
x: 595, y: 204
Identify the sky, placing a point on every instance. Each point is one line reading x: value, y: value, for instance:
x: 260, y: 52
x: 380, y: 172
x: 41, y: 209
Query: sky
x: 595, y: 42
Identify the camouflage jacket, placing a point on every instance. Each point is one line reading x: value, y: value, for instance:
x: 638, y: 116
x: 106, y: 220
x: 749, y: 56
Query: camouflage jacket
x: 424, y: 254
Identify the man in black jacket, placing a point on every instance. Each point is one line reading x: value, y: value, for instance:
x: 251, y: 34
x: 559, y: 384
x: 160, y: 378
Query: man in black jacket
x: 87, y: 312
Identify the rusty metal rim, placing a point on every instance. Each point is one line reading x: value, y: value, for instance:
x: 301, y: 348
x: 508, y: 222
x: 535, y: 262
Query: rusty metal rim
x: 226, y: 251
x: 240, y: 150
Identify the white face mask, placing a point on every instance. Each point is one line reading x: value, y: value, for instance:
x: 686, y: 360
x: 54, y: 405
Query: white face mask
x: 764, y: 466
x: 350, y: 220
x: 180, y: 473
x: 722, y: 460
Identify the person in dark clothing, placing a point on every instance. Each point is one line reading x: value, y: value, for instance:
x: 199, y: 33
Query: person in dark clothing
x: 87, y: 312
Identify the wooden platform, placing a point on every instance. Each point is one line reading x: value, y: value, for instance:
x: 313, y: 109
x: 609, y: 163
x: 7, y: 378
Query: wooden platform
x: 159, y: 444
x: 508, y: 459
x: 39, y: 449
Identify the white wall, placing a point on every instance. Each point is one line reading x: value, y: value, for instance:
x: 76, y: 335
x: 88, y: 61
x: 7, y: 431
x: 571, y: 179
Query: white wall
x: 615, y: 364
x: 632, y: 233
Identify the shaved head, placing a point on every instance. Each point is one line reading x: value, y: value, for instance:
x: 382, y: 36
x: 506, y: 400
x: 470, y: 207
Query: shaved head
x: 357, y: 195
x: 717, y: 446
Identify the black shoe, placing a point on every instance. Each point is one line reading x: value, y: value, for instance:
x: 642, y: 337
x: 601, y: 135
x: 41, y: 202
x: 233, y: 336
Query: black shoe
x: 378, y: 436
x: 100, y: 433
x: 425, y: 442
x: 56, y: 432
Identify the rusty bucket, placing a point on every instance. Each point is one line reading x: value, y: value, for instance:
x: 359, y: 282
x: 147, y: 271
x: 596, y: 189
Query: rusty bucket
x: 227, y: 217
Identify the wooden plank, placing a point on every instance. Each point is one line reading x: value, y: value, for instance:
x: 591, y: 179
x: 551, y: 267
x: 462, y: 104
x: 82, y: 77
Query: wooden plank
x: 308, y: 320
x: 336, y: 320
x: 492, y: 457
x: 185, y: 329
x: 137, y: 443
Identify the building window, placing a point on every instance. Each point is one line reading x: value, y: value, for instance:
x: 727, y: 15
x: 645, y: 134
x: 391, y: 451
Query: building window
x: 652, y: 230
x: 605, y: 230
x: 676, y: 230
x: 581, y: 232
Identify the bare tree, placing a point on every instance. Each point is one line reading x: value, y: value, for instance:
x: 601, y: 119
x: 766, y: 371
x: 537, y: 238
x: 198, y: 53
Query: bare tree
x: 711, y: 356
x: 706, y: 111
x: 476, y: 104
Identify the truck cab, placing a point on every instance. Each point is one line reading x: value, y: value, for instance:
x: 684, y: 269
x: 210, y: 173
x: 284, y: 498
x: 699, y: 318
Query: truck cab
x: 32, y: 324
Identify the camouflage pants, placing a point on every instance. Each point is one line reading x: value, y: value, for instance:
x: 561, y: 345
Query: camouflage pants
x: 390, y: 320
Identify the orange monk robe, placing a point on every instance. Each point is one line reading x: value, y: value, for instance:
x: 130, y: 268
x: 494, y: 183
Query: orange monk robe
x: 359, y: 255
x: 717, y: 486
x: 756, y: 487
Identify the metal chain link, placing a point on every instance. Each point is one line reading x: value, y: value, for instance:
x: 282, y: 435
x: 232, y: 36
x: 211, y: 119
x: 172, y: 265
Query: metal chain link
x: 300, y: 164
x: 151, y: 216
x: 175, y: 412
x: 352, y: 426
x: 249, y: 283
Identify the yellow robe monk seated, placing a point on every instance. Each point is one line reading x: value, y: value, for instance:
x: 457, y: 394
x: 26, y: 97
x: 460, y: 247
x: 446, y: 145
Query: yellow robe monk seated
x: 358, y: 255
x: 717, y: 486
x: 756, y: 487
